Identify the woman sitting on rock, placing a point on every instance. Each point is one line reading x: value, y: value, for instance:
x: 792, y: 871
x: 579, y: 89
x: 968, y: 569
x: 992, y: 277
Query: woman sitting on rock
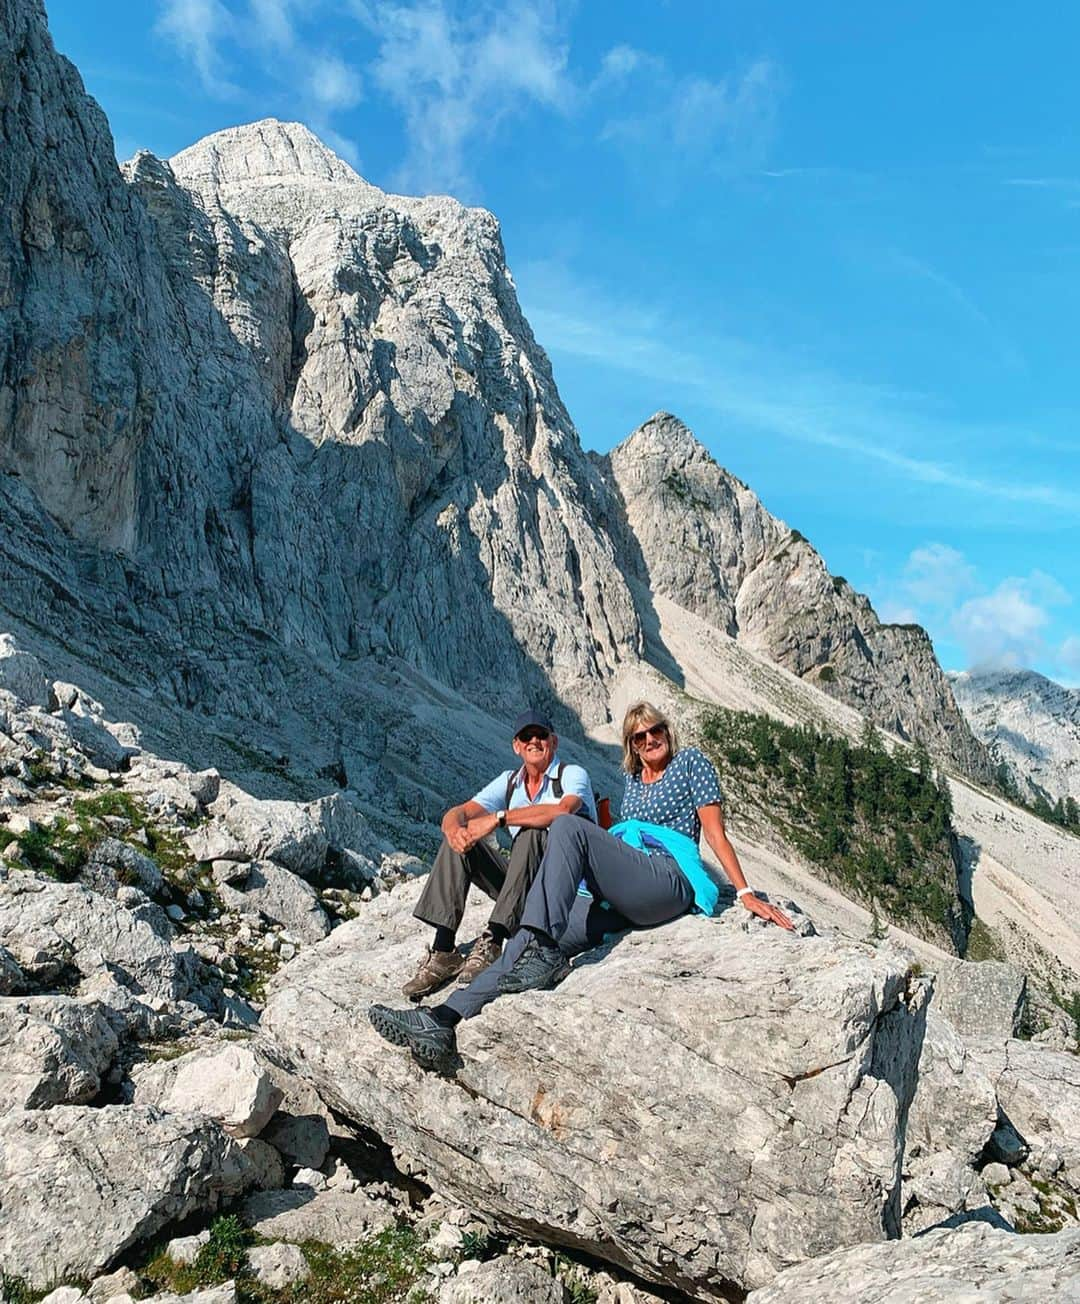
x: 645, y: 871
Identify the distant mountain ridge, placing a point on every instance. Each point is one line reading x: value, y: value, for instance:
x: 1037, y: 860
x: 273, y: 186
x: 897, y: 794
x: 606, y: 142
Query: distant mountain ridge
x: 1028, y: 723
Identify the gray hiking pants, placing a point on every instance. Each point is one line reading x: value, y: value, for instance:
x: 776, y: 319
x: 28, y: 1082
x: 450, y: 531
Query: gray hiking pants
x: 641, y: 891
x: 442, y: 902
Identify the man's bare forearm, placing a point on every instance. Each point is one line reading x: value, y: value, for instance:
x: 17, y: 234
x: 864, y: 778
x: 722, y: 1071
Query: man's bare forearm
x: 544, y: 815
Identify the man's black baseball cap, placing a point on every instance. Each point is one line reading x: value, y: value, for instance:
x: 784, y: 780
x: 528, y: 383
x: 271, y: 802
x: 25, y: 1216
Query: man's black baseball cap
x: 533, y: 720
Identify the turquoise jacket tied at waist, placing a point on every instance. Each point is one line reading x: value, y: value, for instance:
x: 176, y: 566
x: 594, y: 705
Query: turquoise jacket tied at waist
x: 683, y: 850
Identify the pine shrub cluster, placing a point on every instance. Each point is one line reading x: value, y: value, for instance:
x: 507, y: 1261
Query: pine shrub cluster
x: 878, y: 825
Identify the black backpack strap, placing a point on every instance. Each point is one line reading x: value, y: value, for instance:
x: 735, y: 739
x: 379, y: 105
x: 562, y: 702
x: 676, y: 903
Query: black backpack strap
x: 556, y: 782
x: 511, y: 783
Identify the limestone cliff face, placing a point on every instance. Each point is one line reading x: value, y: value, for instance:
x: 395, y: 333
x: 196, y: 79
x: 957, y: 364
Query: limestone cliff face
x: 302, y: 407
x: 268, y: 431
x: 692, y: 531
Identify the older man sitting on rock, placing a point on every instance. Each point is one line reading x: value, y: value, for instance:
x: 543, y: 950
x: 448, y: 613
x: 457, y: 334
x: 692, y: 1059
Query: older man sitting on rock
x: 525, y: 802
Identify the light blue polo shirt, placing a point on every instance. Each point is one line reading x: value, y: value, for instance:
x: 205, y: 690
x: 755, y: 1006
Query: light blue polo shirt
x: 575, y: 783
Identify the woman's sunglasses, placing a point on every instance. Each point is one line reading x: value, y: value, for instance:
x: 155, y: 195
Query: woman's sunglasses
x: 653, y: 731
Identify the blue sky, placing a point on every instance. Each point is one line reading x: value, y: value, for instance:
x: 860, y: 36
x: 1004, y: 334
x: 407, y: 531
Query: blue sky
x: 841, y: 241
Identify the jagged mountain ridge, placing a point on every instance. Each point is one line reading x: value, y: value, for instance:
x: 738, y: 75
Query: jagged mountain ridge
x: 266, y: 425
x: 698, y: 535
x: 1027, y: 722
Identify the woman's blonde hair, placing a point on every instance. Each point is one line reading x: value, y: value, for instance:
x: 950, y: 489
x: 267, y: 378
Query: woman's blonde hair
x: 640, y: 716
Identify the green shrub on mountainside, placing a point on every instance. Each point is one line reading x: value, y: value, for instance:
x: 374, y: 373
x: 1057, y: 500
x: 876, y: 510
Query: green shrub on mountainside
x: 876, y: 825
x: 1065, y: 812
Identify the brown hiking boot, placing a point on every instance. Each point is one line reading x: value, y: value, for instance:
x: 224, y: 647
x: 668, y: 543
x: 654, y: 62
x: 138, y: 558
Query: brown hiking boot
x: 436, y: 970
x: 485, y: 950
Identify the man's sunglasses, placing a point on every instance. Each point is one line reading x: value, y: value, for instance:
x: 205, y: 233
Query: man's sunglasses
x: 653, y: 731
x: 533, y: 735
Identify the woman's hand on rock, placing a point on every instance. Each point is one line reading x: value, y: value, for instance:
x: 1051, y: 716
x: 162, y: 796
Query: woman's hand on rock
x: 765, y: 910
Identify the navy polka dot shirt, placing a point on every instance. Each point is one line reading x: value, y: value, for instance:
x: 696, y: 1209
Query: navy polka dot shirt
x: 688, y: 781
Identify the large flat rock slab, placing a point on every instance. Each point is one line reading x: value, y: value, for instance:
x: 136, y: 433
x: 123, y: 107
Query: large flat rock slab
x: 962, y: 1265
x: 679, y: 1108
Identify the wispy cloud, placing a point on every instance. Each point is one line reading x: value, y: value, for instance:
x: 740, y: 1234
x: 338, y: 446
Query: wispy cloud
x: 198, y: 29
x: 762, y: 390
x: 1008, y: 625
x: 216, y: 36
x: 456, y: 75
x: 961, y: 299
x: 667, y: 121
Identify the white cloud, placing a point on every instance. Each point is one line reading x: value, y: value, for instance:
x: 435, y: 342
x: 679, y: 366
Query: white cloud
x: 1007, y: 626
x: 197, y: 28
x: 273, y: 22
x: 937, y: 575
x: 212, y: 34
x: 726, y: 125
x: 333, y: 84
x: 456, y: 75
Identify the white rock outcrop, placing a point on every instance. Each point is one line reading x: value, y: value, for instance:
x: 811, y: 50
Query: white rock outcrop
x: 80, y: 1185
x: 50, y: 928
x: 971, y: 1263
x: 228, y: 1084
x: 265, y: 889
x: 53, y: 1050
x: 592, y: 1114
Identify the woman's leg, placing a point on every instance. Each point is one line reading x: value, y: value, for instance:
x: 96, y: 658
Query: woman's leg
x: 645, y: 889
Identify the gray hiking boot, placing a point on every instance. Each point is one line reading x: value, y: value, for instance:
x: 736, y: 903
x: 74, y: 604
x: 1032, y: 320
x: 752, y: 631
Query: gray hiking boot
x: 485, y: 950
x: 430, y: 1042
x: 539, y: 967
x: 437, y: 969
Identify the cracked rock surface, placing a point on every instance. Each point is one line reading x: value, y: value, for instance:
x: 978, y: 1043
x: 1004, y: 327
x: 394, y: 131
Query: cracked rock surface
x: 677, y: 1108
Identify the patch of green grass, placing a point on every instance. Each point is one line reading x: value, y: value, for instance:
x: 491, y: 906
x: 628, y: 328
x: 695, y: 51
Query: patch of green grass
x: 62, y: 849
x: 577, y: 1288
x: 826, y: 675
x: 15, y: 1291
x: 224, y: 1256
x: 983, y: 943
x: 381, y: 1270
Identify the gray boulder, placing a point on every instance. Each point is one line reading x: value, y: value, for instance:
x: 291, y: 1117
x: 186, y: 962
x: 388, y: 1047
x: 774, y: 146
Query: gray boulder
x: 129, y: 865
x: 12, y: 978
x: 80, y: 1185
x: 1038, y: 1091
x: 228, y: 1084
x: 21, y: 674
x: 974, y: 1262
x: 296, y: 835
x: 955, y: 1106
x: 53, y: 1050
x: 278, y: 1266
x: 51, y: 928
x: 984, y: 999
x: 590, y: 1115
x: 505, y: 1280
x: 266, y: 889
x: 301, y: 1214
x: 302, y: 1139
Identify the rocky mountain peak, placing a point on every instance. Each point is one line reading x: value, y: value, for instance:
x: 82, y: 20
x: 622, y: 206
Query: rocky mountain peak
x: 265, y: 152
x: 1029, y: 723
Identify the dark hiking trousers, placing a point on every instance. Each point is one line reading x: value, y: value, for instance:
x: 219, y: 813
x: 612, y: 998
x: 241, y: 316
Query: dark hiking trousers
x: 642, y: 891
x: 442, y: 902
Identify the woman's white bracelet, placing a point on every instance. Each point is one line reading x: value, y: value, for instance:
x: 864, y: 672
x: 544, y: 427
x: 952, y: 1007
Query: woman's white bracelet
x: 745, y: 891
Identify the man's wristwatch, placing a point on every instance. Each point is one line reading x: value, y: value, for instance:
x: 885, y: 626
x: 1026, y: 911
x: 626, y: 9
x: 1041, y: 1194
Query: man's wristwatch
x: 500, y: 819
